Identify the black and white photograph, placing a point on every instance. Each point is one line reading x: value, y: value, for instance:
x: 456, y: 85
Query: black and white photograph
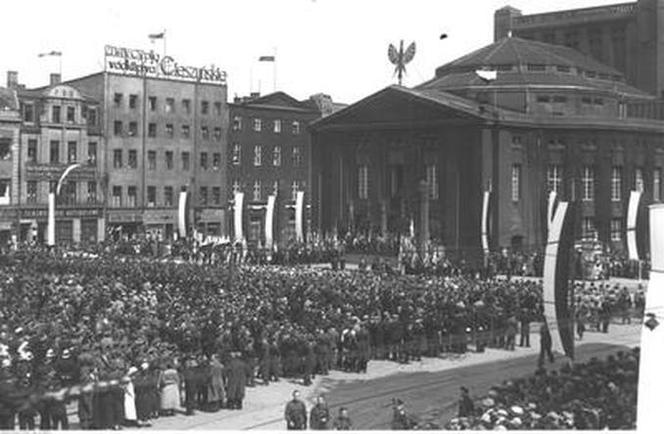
x: 360, y: 215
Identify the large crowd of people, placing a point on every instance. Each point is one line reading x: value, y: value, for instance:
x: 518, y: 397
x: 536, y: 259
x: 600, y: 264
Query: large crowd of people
x: 131, y: 339
x: 604, y: 397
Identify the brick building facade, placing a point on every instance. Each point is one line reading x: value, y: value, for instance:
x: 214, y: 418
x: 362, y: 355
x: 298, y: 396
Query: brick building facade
x: 627, y: 36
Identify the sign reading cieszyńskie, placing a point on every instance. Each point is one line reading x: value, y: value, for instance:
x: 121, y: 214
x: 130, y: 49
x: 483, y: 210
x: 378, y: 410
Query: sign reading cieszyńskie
x: 143, y: 63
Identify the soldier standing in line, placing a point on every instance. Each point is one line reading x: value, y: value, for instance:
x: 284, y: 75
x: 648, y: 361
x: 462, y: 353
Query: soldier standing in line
x: 545, y: 345
x: 296, y: 413
x: 524, y: 338
x: 320, y: 415
x: 342, y: 422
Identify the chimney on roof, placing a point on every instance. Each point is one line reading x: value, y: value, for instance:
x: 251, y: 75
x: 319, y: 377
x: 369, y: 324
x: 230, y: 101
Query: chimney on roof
x: 55, y: 78
x: 12, y: 79
x: 503, y: 22
x: 254, y: 94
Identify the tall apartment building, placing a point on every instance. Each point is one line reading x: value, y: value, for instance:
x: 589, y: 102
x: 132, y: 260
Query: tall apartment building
x: 10, y: 123
x: 627, y: 36
x: 165, y: 128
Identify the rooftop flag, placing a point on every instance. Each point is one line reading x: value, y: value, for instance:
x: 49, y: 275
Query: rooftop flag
x: 154, y: 36
x: 50, y: 53
x: 266, y: 59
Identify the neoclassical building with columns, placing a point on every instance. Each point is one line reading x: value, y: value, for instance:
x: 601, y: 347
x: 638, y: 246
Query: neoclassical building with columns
x: 518, y: 118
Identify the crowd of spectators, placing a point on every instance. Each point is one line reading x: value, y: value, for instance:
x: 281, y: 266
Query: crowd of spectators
x: 596, y: 395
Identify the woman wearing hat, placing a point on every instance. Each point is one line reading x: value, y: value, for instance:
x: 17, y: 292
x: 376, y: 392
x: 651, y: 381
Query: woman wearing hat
x: 169, y: 385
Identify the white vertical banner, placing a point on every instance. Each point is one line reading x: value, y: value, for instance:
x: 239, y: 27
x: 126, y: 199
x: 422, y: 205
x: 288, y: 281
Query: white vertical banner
x: 299, y: 217
x: 551, y: 207
x: 485, y: 221
x: 182, y: 214
x: 50, y: 231
x: 632, y: 211
x: 237, y: 214
x: 269, y: 222
x: 549, y: 276
x: 651, y: 380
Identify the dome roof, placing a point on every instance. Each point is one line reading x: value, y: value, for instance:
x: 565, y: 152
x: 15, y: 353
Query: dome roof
x: 517, y: 52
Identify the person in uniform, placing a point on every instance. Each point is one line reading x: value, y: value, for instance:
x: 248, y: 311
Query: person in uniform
x: 216, y: 394
x: 319, y: 415
x: 545, y: 345
x: 296, y: 413
x: 342, y: 422
x: 466, y: 406
x: 236, y: 372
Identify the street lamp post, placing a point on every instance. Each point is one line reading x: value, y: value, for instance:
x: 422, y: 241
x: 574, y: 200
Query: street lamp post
x: 50, y: 239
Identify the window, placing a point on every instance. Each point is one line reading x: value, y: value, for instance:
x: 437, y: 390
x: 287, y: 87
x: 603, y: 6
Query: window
x: 55, y: 114
x: 257, y: 124
x: 117, y: 128
x: 205, y: 133
x: 186, y: 106
x: 276, y: 156
x: 32, y: 150
x: 71, y: 152
x: 217, y: 134
x: 71, y: 114
x: 131, y: 196
x: 363, y: 182
x: 295, y: 127
x: 258, y: 154
x: 51, y: 186
x: 516, y: 182
x: 588, y: 228
x: 543, y: 98
x: 92, y: 192
x: 277, y: 125
x: 116, y: 197
x: 217, y: 108
x: 117, y: 100
x: 236, y: 187
x: 205, y: 107
x: 29, y: 113
x: 169, y: 131
x: 237, y: 123
x: 117, y: 158
x: 598, y: 101
x: 275, y: 187
x: 203, y: 196
x: 297, y: 156
x: 169, y: 160
x: 536, y: 67
x: 152, y: 103
x: 554, y: 177
x: 588, y: 184
x: 432, y: 181
x: 132, y: 159
x: 92, y: 117
x: 185, y: 131
x: 616, y: 230
x: 152, y: 196
x: 216, y: 196
x: 92, y: 153
x: 152, y: 129
x: 133, y: 129
x: 152, y: 160
x: 235, y: 158
x: 170, y: 105
x: 55, y: 152
x: 5, y: 150
x: 70, y: 192
x: 638, y: 179
x: 616, y: 183
x: 295, y: 187
x: 559, y: 99
x: 185, y: 161
x: 216, y: 161
x: 657, y: 184
x: 133, y: 101
x: 257, y: 190
x: 204, y: 160
x: 168, y: 196
x: 31, y: 192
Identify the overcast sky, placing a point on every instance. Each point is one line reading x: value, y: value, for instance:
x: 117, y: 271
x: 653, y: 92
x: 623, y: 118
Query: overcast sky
x: 334, y: 46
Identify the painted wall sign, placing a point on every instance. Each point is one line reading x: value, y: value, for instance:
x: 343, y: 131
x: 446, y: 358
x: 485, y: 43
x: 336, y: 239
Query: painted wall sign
x: 141, y: 63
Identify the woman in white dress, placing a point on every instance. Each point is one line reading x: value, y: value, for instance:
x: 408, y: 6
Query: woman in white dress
x: 130, y: 398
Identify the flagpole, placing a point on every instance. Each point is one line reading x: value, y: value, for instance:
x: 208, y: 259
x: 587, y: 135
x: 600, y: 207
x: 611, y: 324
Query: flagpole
x: 164, y: 43
x: 274, y: 69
